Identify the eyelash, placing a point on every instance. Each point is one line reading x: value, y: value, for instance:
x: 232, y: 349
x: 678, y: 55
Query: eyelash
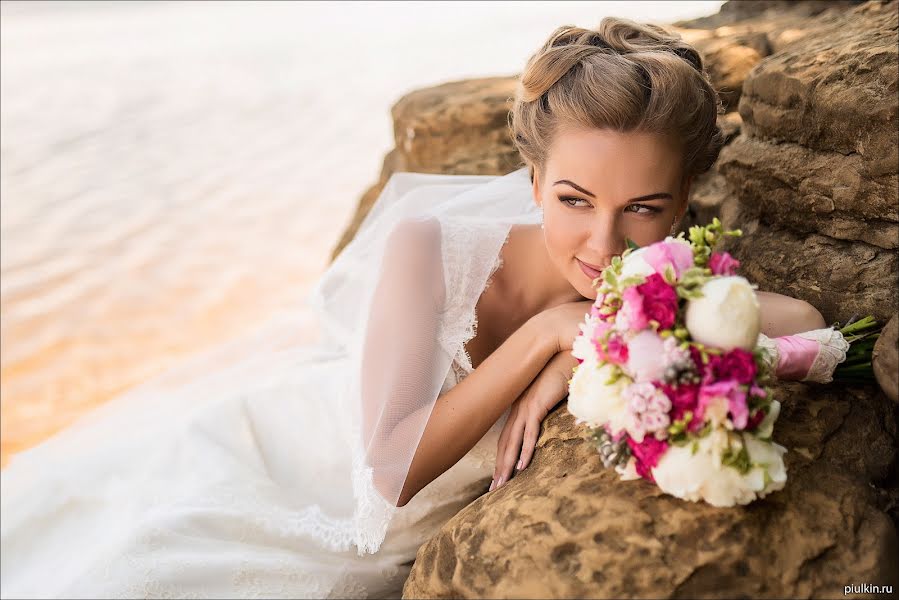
x: 652, y: 209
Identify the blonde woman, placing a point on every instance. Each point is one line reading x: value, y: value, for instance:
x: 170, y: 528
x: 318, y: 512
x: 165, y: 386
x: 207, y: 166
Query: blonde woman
x: 318, y: 470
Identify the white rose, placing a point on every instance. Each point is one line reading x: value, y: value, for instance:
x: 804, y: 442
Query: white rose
x: 701, y: 476
x: 593, y: 401
x: 727, y: 316
x: 634, y: 264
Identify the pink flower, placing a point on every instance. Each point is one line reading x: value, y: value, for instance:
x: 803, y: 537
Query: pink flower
x: 722, y: 263
x: 736, y: 364
x: 683, y: 398
x: 734, y: 395
x: 648, y: 410
x: 647, y: 454
x: 631, y: 311
x: 659, y: 301
x: 653, y: 300
x: 677, y: 254
x: 645, y: 356
x: 616, y: 351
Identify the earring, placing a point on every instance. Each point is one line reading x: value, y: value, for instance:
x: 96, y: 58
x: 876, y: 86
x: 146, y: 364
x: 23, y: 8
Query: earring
x: 674, y: 227
x: 541, y: 217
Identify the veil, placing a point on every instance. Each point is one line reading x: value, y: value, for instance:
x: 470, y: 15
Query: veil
x: 395, y: 310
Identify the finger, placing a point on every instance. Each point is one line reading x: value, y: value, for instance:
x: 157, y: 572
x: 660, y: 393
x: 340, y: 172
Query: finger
x: 531, y: 431
x: 503, y: 439
x: 511, y: 452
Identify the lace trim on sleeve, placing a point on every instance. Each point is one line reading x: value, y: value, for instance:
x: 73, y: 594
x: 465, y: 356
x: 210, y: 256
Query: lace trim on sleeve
x: 463, y: 359
x: 833, y: 351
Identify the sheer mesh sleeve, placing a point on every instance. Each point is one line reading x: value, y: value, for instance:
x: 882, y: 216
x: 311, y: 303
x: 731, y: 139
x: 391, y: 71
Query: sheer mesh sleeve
x: 403, y: 365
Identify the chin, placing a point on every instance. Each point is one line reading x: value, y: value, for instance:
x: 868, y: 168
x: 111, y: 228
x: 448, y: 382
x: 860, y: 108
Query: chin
x: 583, y: 286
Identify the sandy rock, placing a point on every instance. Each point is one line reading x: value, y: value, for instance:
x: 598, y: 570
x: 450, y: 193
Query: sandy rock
x: 839, y: 278
x: 810, y: 191
x: 457, y: 128
x: 885, y: 359
x: 567, y: 528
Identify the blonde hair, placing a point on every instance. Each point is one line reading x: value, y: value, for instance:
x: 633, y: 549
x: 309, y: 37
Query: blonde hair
x: 625, y: 76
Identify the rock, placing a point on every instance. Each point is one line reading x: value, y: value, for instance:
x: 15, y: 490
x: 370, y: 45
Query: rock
x: 709, y: 191
x: 457, y: 128
x: 813, y: 192
x: 567, y: 528
x: 839, y: 278
x: 733, y: 41
x: 885, y: 359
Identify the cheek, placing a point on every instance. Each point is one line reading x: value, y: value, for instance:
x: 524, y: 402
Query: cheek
x: 644, y: 231
x: 561, y: 238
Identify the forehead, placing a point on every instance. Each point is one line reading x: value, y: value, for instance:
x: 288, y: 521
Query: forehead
x: 602, y: 159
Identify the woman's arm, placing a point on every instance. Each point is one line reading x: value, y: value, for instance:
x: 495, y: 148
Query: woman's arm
x: 783, y: 315
x: 463, y: 415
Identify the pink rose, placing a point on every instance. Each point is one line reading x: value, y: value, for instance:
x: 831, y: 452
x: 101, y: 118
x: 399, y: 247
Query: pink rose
x: 659, y: 301
x: 732, y: 393
x: 736, y: 364
x: 653, y: 300
x: 647, y: 454
x: 722, y: 263
x: 677, y: 254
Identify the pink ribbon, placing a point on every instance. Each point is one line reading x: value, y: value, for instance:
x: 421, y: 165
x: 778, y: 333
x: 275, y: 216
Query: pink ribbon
x: 796, y: 355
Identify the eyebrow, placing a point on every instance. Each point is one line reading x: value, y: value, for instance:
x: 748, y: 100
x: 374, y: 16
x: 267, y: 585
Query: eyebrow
x: 663, y: 195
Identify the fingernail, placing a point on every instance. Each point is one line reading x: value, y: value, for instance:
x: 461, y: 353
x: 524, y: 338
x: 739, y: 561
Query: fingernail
x: 519, y: 464
x: 501, y: 481
x: 492, y: 483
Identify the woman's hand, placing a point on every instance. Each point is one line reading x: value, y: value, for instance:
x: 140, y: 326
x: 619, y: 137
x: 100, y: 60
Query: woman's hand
x: 519, y: 436
x: 561, y: 323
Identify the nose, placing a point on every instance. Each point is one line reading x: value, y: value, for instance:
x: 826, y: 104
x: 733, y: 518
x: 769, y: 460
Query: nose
x: 605, y: 241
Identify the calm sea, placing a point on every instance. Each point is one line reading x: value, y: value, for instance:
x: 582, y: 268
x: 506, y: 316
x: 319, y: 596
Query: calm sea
x: 175, y: 173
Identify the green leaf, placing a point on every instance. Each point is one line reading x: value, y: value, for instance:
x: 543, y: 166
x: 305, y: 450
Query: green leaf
x: 631, y: 244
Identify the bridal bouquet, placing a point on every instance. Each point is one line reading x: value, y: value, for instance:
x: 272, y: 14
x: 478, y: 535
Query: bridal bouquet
x: 672, y: 383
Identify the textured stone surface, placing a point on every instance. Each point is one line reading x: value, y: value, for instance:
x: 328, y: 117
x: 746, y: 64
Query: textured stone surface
x: 457, y: 128
x: 839, y: 278
x: 885, y: 359
x: 567, y: 528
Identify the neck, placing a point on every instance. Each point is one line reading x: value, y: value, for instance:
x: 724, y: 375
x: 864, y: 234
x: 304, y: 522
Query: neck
x: 542, y: 285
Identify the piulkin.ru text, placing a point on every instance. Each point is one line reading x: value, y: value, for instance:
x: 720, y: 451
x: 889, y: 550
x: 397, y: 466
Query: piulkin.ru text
x: 867, y: 588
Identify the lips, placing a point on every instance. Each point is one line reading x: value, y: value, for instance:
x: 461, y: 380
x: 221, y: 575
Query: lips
x: 590, y: 271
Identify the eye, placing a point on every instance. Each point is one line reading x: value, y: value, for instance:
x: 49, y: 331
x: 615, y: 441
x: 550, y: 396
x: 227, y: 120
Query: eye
x: 648, y: 209
x: 569, y: 199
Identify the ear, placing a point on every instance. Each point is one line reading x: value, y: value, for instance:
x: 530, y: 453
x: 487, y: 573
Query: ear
x: 536, y: 189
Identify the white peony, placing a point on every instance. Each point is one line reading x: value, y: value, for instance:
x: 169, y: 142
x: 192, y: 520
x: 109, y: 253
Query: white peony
x: 583, y: 347
x: 766, y: 427
x: 727, y: 316
x: 701, y: 476
x: 591, y: 400
x: 635, y: 264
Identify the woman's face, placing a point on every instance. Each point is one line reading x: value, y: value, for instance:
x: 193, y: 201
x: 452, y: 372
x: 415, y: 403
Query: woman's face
x: 601, y: 187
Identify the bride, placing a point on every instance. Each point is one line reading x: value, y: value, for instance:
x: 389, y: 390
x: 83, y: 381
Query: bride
x: 317, y: 470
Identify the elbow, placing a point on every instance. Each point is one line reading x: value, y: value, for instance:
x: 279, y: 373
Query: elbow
x: 386, y: 488
x: 810, y: 317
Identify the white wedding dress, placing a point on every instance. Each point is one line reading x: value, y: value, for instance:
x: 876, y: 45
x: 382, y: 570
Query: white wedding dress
x: 277, y: 474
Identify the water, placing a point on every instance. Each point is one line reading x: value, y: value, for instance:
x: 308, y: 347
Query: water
x: 175, y: 173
